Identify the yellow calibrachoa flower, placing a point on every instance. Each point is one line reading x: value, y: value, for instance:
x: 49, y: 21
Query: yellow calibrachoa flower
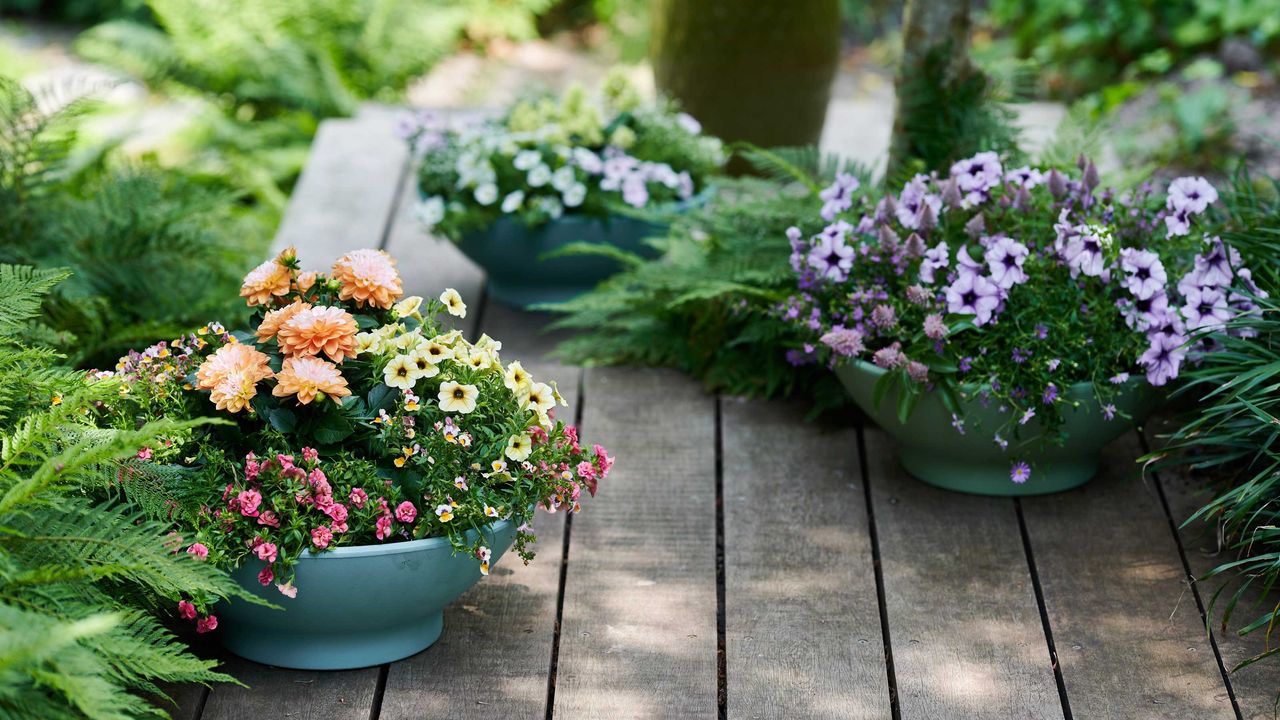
x: 435, y: 351
x: 453, y: 303
x: 422, y: 364
x: 367, y: 342
x: 517, y: 379
x: 408, y: 307
x: 555, y: 393
x: 459, y: 398
x: 540, y: 398
x: 519, y: 447
x: 57, y: 399
x: 400, y: 373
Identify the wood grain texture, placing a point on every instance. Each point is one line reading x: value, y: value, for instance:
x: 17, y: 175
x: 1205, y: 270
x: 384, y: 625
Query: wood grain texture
x: 638, y: 634
x: 964, y: 624
x: 185, y: 701
x: 1256, y: 686
x: 802, y: 622
x: 294, y: 694
x: 346, y: 191
x: 494, y: 657
x: 1129, y: 636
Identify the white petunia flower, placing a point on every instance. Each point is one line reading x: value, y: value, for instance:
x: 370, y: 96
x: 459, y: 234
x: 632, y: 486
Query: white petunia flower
x: 512, y: 202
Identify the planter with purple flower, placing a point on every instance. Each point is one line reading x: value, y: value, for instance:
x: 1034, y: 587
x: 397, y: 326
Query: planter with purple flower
x: 554, y: 196
x: 1005, y: 325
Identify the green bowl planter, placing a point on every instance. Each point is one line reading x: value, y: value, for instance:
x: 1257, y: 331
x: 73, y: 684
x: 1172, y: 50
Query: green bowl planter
x: 357, y: 606
x: 933, y: 451
x: 513, y: 256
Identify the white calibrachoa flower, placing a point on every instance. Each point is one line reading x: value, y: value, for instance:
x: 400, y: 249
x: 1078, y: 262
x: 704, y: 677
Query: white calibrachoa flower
x: 456, y: 397
x: 486, y: 194
x: 575, y: 195
x: 430, y: 211
x: 423, y: 363
x: 527, y: 160
x: 513, y: 201
x: 453, y: 303
x: 540, y: 175
x: 519, y: 447
x: 436, y: 352
x: 563, y: 179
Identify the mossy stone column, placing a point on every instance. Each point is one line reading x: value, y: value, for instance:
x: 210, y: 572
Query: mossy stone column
x: 753, y: 70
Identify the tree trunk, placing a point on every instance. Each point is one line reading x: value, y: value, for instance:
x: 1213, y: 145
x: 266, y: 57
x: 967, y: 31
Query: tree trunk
x: 935, y: 49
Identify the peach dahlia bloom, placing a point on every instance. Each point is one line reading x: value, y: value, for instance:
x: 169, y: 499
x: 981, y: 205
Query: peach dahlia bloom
x: 308, y: 377
x: 269, y: 280
x: 231, y: 374
x: 369, y: 277
x: 308, y: 332
x: 272, y: 321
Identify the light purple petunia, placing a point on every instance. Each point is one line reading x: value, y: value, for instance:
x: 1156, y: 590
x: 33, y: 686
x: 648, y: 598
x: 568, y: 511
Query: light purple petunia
x: 1164, y: 358
x: 965, y: 263
x: 1206, y: 309
x: 913, y: 201
x: 976, y: 176
x: 1144, y: 273
x: 831, y: 257
x: 1083, y: 253
x: 1004, y: 260
x: 1026, y: 177
x: 973, y: 294
x: 799, y: 248
x: 839, y: 196
x: 1193, y: 194
x: 935, y: 259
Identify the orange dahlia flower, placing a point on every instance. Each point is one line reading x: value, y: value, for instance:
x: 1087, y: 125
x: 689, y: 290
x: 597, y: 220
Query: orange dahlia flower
x: 309, y: 377
x: 269, y: 280
x: 308, y: 332
x: 369, y: 277
x: 231, y: 375
x: 272, y: 321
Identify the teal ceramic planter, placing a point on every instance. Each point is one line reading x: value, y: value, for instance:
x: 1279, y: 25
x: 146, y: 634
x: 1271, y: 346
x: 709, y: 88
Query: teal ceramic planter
x: 520, y: 274
x: 931, y: 450
x: 356, y: 606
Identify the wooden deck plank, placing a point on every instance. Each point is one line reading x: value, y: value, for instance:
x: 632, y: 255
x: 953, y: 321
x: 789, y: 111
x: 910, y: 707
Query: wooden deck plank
x: 346, y: 191
x: 964, y: 624
x: 494, y: 658
x: 802, y: 621
x: 638, y: 635
x: 305, y: 695
x: 1129, y: 637
x: 1256, y: 686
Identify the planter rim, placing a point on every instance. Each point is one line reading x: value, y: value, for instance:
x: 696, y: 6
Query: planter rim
x: 396, y: 548
x: 677, y: 206
x: 1080, y: 388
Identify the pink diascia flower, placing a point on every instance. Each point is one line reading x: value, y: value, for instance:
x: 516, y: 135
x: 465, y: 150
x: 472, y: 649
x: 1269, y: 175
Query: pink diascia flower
x: 248, y: 502
x: 208, y: 624
x: 383, y: 527
x: 359, y: 497
x: 265, y: 576
x: 186, y: 610
x: 406, y: 512
x: 321, y: 537
x: 266, y: 552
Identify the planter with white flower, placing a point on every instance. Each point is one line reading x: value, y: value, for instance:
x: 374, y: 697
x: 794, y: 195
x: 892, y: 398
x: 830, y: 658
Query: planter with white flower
x: 1004, y: 325
x: 371, y: 466
x: 516, y: 190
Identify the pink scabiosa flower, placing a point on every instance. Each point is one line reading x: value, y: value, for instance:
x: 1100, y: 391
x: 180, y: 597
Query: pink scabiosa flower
x: 406, y: 512
x: 934, y: 327
x: 918, y: 371
x: 843, y: 341
x: 207, y: 624
x: 198, y: 551
x: 884, y: 317
x: 321, y: 537
x: 890, y: 358
x: 186, y: 610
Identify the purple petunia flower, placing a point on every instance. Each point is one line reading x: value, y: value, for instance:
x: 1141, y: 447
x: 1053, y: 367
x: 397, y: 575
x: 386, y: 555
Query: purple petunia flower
x: 1163, y: 359
x: 831, y: 257
x: 966, y: 264
x: 935, y: 259
x: 1005, y: 259
x: 1193, y: 194
x: 913, y: 200
x: 1214, y: 269
x: 973, y: 294
x: 975, y: 177
x: 839, y: 197
x: 1144, y: 273
x: 1206, y: 309
x: 1083, y: 252
x: 1026, y: 177
x: 1020, y: 472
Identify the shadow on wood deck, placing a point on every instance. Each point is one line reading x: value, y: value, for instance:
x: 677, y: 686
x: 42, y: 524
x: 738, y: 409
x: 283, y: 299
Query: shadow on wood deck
x: 742, y: 563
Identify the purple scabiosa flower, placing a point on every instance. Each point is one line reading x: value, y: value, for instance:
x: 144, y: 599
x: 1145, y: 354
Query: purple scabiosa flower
x: 843, y: 341
x: 839, y: 197
x: 1027, y: 416
x: 1144, y: 273
x: 1163, y: 359
x: 976, y: 176
x: 1206, y: 309
x: 1109, y: 411
x: 1119, y: 378
x: 973, y: 294
x: 1193, y: 194
x: 831, y: 257
x: 918, y: 296
x: 1042, y: 331
x: 1020, y: 356
x: 884, y: 317
x: 1053, y: 364
x: 890, y: 358
x: 918, y: 371
x: 1050, y: 394
x: 1004, y: 259
x: 1025, y: 176
x: 913, y: 200
x: 965, y: 364
x: 1083, y: 253
x: 936, y: 258
x: 934, y: 327
x: 1020, y: 472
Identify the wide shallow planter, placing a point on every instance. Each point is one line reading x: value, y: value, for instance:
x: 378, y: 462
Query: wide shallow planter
x: 514, y: 255
x: 935, y: 452
x: 356, y: 606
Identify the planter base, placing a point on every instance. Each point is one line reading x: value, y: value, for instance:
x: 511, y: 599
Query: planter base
x: 993, y: 478
x: 338, y: 651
